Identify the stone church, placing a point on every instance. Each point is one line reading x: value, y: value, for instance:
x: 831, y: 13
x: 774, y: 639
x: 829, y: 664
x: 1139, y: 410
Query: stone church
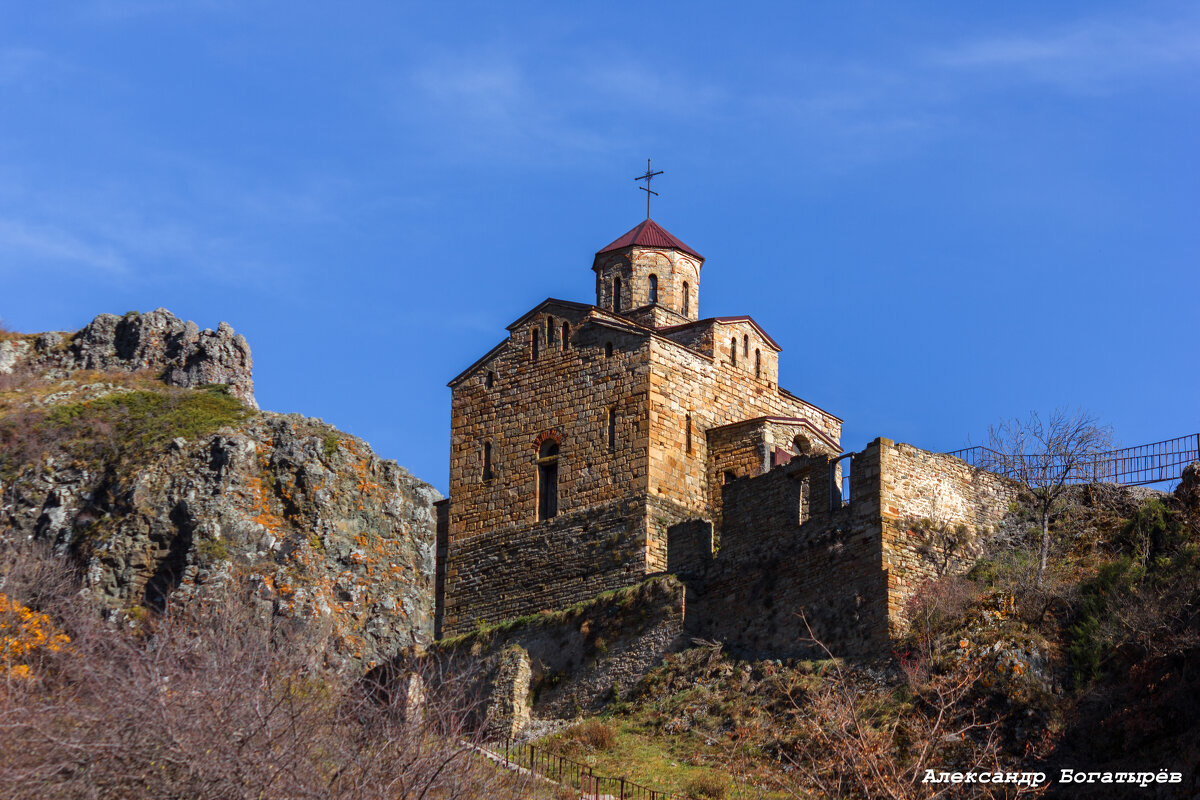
x: 601, y: 443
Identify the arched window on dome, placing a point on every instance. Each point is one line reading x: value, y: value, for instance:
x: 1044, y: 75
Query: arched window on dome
x: 746, y: 345
x: 535, y: 339
x: 547, y: 466
x: 653, y: 288
x: 616, y: 294
x: 733, y: 351
x: 566, y: 335
x: 757, y: 363
x: 687, y: 299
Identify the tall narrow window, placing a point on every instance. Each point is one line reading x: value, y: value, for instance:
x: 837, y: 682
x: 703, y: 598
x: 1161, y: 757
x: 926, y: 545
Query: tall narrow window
x: 745, y: 345
x: 490, y: 380
x: 757, y: 363
x: 547, y: 465
x: 616, y: 294
x: 608, y: 350
x: 612, y: 429
x: 534, y: 340
x: 732, y: 350
x: 653, y: 288
x: 566, y: 335
x: 549, y: 332
x: 687, y: 299
x: 687, y: 422
x: 487, y: 461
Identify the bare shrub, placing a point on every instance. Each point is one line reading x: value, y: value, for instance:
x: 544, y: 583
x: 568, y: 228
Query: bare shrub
x: 593, y: 735
x: 858, y: 739
x: 217, y: 701
x: 706, y: 786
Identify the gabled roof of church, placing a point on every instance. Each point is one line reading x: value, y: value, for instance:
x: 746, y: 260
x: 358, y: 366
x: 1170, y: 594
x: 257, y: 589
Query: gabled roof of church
x: 649, y: 233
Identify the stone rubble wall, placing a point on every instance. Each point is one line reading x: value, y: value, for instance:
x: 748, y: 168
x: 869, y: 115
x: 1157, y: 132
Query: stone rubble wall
x: 580, y: 658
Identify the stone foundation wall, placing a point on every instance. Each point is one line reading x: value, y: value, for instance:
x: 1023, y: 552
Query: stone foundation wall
x: 523, y: 569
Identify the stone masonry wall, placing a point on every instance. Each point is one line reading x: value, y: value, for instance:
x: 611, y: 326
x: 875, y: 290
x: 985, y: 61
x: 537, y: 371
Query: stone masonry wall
x: 712, y: 392
x: 787, y: 546
x: 565, y: 392
x: 526, y: 568
x: 959, y: 504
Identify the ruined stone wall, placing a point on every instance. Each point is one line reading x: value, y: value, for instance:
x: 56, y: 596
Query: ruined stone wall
x: 936, y: 511
x: 772, y: 566
x: 579, y: 658
x: 788, y: 543
x: 683, y: 384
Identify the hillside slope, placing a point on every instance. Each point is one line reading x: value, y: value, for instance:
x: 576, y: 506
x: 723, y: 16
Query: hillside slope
x: 134, y: 446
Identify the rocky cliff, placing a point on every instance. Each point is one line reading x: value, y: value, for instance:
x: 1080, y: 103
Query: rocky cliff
x: 178, y: 352
x: 134, y: 447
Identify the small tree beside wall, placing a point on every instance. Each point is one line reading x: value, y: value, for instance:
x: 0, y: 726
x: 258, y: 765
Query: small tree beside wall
x: 1046, y: 454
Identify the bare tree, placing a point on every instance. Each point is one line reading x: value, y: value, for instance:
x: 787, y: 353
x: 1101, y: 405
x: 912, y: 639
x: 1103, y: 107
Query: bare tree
x: 1046, y: 455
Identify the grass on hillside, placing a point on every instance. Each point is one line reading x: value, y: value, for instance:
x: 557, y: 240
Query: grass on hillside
x: 120, y: 428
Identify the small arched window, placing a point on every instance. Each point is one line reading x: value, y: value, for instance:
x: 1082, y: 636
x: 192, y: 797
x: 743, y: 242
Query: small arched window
x: 487, y: 461
x: 687, y: 422
x: 687, y: 299
x: 732, y: 351
x: 566, y: 335
x: 547, y: 464
x: 612, y: 429
x: 746, y: 345
x: 616, y: 294
x: 490, y: 380
x: 535, y: 338
x: 549, y: 332
x: 757, y: 363
x: 653, y: 288
x: 608, y: 350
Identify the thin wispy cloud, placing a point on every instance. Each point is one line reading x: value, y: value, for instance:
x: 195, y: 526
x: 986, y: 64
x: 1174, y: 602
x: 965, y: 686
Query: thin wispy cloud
x: 1090, y: 56
x: 23, y: 245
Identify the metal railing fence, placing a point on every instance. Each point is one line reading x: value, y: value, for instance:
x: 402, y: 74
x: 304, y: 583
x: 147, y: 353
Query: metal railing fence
x: 1133, y: 466
x: 575, y: 774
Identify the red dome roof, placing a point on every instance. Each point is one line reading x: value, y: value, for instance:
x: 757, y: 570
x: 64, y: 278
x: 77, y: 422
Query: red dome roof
x: 649, y: 233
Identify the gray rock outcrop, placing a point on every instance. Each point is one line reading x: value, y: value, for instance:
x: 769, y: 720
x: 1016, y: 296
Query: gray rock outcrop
x: 178, y: 351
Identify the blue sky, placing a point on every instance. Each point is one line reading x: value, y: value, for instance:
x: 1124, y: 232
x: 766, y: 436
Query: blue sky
x: 947, y: 214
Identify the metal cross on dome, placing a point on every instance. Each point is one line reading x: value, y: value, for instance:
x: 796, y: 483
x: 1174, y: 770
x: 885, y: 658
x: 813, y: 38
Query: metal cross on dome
x: 647, y: 178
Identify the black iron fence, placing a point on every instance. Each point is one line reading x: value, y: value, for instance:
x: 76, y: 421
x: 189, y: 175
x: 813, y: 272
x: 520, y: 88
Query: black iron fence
x: 1132, y: 466
x: 576, y: 775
